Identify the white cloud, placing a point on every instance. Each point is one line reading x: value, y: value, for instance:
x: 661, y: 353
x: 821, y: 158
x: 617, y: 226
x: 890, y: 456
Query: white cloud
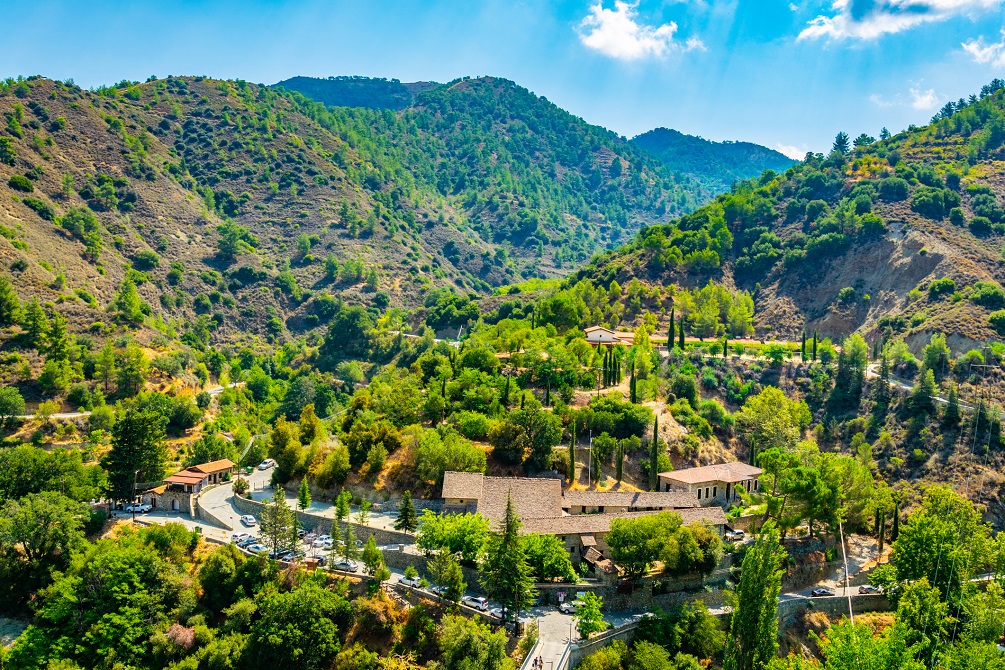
x: 993, y: 54
x: 793, y: 152
x: 880, y: 101
x: 869, y: 19
x: 617, y: 33
x: 924, y: 99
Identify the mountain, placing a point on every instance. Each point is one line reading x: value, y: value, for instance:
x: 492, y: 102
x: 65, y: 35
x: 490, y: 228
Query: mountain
x: 714, y: 165
x: 369, y: 92
x: 247, y: 204
x: 897, y: 238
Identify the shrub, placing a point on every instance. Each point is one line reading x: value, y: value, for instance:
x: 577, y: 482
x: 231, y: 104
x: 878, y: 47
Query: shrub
x: 956, y: 216
x: 19, y: 183
x: 997, y: 321
x: 928, y: 201
x: 472, y: 425
x: 146, y: 260
x: 40, y: 208
x: 941, y: 287
x: 988, y: 294
x: 980, y: 226
x: 893, y: 189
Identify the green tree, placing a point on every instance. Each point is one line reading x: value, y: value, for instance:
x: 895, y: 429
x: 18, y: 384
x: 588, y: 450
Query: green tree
x: 951, y: 418
x: 11, y: 405
x: 507, y: 575
x: 342, y: 508
x: 841, y: 143
x: 35, y: 324
x: 298, y: 629
x: 462, y: 534
x: 571, y: 473
x: 363, y: 513
x: 278, y: 524
x: 372, y: 558
x: 769, y: 419
x: 128, y: 304
x: 304, y: 495
x: 407, y: 519
x: 10, y: 305
x: 445, y: 572
x: 589, y: 618
x: 104, y: 366
x: 548, y: 558
x: 132, y: 370
x: 654, y: 456
x: 467, y: 644
x: 922, y: 398
x: 138, y: 452
x: 753, y: 630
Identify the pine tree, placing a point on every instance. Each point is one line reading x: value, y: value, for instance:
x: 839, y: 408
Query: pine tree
x: 279, y: 524
x: 506, y: 574
x: 304, y: 495
x: 922, y: 397
x: 138, y: 452
x: 407, y: 519
x: 572, y: 453
x: 654, y: 456
x: 10, y: 305
x: 35, y: 324
x: 59, y: 340
x: 882, y: 394
x: 753, y: 630
x: 951, y: 418
x: 104, y: 365
x: 814, y: 345
x: 680, y: 332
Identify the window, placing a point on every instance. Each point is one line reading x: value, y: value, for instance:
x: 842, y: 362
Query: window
x: 706, y: 492
x: 715, y: 491
x: 699, y: 494
x: 755, y: 484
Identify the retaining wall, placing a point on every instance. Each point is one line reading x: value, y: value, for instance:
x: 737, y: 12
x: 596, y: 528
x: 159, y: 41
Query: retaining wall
x: 586, y: 647
x: 400, y: 560
x: 314, y: 522
x: 788, y: 610
x: 203, y: 514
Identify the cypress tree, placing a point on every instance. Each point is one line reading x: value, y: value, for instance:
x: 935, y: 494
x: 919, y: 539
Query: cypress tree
x: 895, y: 531
x: 572, y: 453
x: 631, y: 386
x: 802, y: 347
x: 670, y: 331
x: 505, y: 394
x: 875, y: 349
x: 814, y: 345
x: 681, y: 334
x: 725, y: 346
x: 547, y: 392
x: 620, y: 466
x: 753, y: 630
x: 507, y: 576
x: 617, y: 370
x: 523, y: 395
x: 654, y: 453
x: 882, y: 529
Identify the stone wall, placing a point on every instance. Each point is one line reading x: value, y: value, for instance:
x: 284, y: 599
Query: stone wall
x: 788, y: 610
x: 203, y: 514
x: 313, y: 522
x: 584, y: 648
x: 399, y: 560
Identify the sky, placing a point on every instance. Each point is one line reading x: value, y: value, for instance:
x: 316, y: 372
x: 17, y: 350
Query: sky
x: 787, y: 74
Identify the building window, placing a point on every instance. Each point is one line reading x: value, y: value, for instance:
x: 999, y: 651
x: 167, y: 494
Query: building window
x: 706, y: 492
x: 699, y: 494
x: 755, y: 484
x: 714, y: 491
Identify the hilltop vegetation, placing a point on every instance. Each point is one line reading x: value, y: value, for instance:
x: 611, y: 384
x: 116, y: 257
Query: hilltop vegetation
x: 896, y: 237
x: 714, y: 165
x: 370, y: 92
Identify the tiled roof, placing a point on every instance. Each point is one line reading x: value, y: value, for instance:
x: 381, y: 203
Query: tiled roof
x: 588, y: 524
x: 532, y: 497
x: 725, y: 472
x: 630, y: 499
x: 593, y: 328
x: 213, y: 466
x: 185, y: 477
x: 462, y: 485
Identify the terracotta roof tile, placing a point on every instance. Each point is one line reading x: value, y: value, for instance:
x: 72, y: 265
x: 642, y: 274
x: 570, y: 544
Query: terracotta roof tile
x: 630, y: 499
x: 588, y: 524
x: 725, y: 472
x: 213, y: 466
x: 532, y: 497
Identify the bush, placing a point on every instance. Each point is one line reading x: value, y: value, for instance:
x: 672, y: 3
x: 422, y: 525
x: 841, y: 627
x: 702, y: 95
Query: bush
x: 941, y: 287
x: 988, y: 294
x: 929, y: 202
x: 146, y: 260
x: 997, y: 321
x: 893, y: 189
x: 472, y: 425
x: 980, y: 226
x: 40, y: 208
x: 19, y: 183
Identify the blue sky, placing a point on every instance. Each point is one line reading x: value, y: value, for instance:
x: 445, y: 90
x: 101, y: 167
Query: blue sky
x: 788, y: 74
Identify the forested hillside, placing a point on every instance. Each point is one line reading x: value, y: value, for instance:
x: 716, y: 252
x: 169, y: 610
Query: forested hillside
x: 222, y: 207
x: 370, y: 92
x: 900, y: 236
x: 715, y: 165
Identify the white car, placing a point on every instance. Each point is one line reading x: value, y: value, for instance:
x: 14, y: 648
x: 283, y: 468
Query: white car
x: 323, y: 541
x: 140, y: 508
x: 570, y: 608
x: 476, y: 602
x: 249, y: 520
x: 266, y: 464
x: 237, y: 537
x: 405, y: 581
x: 734, y: 535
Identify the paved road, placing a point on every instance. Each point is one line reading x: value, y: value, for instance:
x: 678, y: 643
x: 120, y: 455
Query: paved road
x: 871, y: 372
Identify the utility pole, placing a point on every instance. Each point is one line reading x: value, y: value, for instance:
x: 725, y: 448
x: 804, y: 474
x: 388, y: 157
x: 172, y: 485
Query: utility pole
x: 136, y: 473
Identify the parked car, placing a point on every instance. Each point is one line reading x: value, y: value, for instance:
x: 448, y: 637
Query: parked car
x: 322, y: 561
x: 322, y: 539
x: 248, y: 541
x: 438, y: 590
x: 735, y: 535
x: 301, y: 533
x: 496, y: 613
x: 139, y: 508
x: 347, y: 565
x: 256, y: 548
x: 821, y: 593
x: 570, y: 608
x: 869, y: 588
x: 477, y: 602
x: 237, y: 537
x: 405, y: 581
x: 266, y: 464
x: 249, y: 520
